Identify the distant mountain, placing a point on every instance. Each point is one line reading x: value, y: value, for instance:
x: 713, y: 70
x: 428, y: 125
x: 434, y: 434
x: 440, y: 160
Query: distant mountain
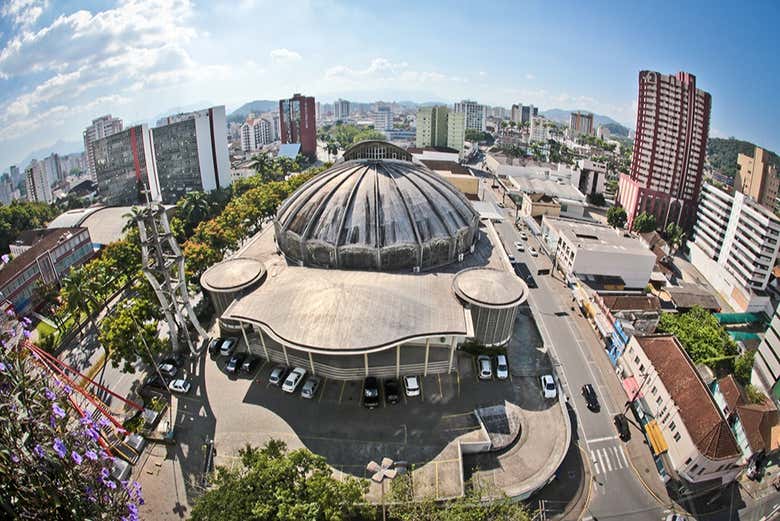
x: 562, y: 116
x: 722, y: 154
x: 60, y: 147
x: 258, y: 106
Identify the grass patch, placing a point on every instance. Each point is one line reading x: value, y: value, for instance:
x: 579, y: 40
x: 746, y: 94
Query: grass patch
x: 44, y: 329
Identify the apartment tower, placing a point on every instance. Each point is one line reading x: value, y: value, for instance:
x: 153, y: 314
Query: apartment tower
x: 101, y: 127
x: 757, y: 178
x: 297, y: 123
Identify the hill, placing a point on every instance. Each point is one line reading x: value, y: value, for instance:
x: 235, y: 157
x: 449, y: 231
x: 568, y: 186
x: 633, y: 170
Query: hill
x: 562, y: 116
x: 258, y: 107
x: 722, y: 154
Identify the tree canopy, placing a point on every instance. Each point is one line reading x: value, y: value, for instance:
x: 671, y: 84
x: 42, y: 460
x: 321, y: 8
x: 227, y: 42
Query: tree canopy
x: 722, y: 154
x: 271, y: 484
x: 477, y: 136
x: 20, y: 216
x: 345, y: 135
x: 616, y: 216
x: 644, y: 222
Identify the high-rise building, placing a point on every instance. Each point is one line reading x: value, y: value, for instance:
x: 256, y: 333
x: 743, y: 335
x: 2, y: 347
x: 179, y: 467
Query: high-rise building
x: 101, y: 127
x: 341, y: 110
x: 37, y: 183
x: 318, y: 111
x: 766, y: 367
x: 672, y: 126
x: 382, y: 118
x: 257, y: 132
x: 581, y: 123
x: 15, y: 174
x: 757, y: 178
x: 191, y: 154
x: 438, y: 127
x: 297, y: 123
x: 735, y: 246
x: 124, y: 165
x: 53, y: 169
x: 475, y: 114
x: 523, y: 113
x: 539, y: 130
x: 6, y: 190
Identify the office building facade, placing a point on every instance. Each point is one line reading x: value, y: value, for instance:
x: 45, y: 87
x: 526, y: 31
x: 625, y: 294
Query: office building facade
x: 672, y: 128
x: 37, y: 183
x: 475, y: 114
x: 383, y: 119
x: 297, y: 123
x: 581, y: 123
x: 100, y: 128
x: 341, y: 110
x: 124, y: 165
x: 190, y: 152
x: 757, y: 178
x: 523, y: 113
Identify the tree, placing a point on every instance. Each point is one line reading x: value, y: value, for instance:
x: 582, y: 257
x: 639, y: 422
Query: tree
x: 596, y: 199
x: 273, y: 484
x: 20, y: 216
x: 743, y: 366
x: 51, y: 464
x: 193, y: 208
x: 675, y: 236
x: 129, y: 332
x: 703, y: 338
x: 477, y: 504
x: 644, y: 223
x: 616, y: 216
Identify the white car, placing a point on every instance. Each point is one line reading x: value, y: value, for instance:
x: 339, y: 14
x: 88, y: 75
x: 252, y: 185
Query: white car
x: 310, y: 387
x: 411, y: 386
x: 532, y: 251
x: 485, y: 367
x: 548, y: 386
x: 524, y: 236
x: 180, y: 386
x: 520, y: 247
x: 168, y: 370
x: 293, y: 380
x: 228, y: 346
x: 502, y: 369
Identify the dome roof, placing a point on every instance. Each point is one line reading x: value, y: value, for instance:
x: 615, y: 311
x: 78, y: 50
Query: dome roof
x: 376, y: 214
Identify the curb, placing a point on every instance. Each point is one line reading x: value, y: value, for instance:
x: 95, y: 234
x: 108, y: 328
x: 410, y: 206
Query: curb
x: 92, y: 371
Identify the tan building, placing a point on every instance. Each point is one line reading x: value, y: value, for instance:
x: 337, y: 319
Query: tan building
x: 687, y: 430
x: 538, y: 204
x: 757, y: 178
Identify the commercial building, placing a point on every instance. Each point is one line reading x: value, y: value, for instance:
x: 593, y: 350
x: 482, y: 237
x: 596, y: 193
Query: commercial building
x: 580, y: 123
x: 341, y: 110
x: 382, y: 119
x: 538, y: 204
x: 539, y: 130
x: 190, y: 152
x: 48, y: 257
x: 590, y: 176
x: 439, y: 127
x: 124, y: 165
x: 757, y: 178
x: 594, y: 252
x: 672, y: 126
x: 37, y: 183
x: 53, y: 168
x: 385, y: 269
x: 475, y: 114
x: 690, y: 438
x: 523, y: 113
x: 735, y: 246
x: 100, y: 128
x: 297, y: 123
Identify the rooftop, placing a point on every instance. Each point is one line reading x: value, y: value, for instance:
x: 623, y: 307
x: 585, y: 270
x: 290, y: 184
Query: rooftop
x: 490, y: 287
x: 105, y: 223
x: 597, y: 237
x: 687, y: 296
x: 632, y: 302
x: 49, y: 239
x: 707, y: 427
x: 550, y: 187
x: 232, y: 274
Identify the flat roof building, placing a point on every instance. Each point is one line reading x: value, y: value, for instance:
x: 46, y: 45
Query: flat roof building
x: 124, y: 165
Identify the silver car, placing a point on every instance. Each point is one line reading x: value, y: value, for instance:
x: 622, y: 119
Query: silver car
x: 310, y: 387
x: 485, y: 367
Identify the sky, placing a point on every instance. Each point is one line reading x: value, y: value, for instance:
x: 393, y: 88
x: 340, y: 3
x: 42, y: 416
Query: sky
x: 63, y: 63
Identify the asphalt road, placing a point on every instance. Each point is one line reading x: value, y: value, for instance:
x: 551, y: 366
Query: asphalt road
x: 616, y: 492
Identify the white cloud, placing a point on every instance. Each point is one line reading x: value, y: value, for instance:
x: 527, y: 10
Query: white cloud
x: 379, y: 67
x: 529, y: 76
x: 23, y: 13
x: 482, y: 73
x: 285, y: 56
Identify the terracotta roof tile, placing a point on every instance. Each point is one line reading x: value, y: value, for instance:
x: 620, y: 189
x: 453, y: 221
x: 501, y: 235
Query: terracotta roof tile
x: 632, y: 302
x: 699, y: 412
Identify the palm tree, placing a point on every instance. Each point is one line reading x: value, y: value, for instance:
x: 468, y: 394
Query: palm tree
x: 675, y: 235
x: 131, y: 217
x: 194, y: 208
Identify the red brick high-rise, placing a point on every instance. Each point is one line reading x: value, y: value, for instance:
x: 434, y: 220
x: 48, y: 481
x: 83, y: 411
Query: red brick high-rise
x: 672, y: 126
x: 297, y: 123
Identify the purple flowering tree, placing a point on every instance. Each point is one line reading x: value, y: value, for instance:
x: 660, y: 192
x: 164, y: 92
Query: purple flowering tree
x: 52, y: 465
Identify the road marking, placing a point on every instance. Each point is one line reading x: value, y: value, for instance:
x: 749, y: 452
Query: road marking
x: 457, y: 374
x: 322, y: 389
x: 623, y: 454
x: 457, y: 414
x: 597, y: 440
x: 606, y: 457
x: 595, y: 463
x: 341, y: 394
x: 441, y: 393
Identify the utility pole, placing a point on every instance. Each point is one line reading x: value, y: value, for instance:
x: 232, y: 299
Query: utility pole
x: 163, y: 266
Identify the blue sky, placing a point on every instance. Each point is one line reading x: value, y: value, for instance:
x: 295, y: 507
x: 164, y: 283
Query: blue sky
x: 64, y: 63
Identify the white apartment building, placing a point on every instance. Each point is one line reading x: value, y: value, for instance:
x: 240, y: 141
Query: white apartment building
x: 539, y: 131
x: 382, y: 119
x: 341, y: 110
x: 101, y: 127
x: 37, y: 183
x: 475, y: 114
x: 590, y: 176
x: 766, y: 367
x: 589, y: 251
x: 687, y: 430
x: 257, y: 132
x: 735, y: 246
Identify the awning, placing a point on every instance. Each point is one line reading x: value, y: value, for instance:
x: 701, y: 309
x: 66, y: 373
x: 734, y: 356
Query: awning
x: 657, y: 441
x: 631, y: 387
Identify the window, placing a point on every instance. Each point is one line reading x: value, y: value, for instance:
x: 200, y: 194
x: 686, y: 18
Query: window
x: 665, y: 418
x: 658, y: 401
x: 653, y: 390
x: 701, y: 471
x: 693, y: 467
x: 636, y: 359
x: 672, y: 426
x: 677, y: 436
x: 687, y: 462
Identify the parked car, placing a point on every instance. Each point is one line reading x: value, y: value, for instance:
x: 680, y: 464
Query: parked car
x: 678, y: 517
x: 502, y: 369
x: 278, y: 375
x: 177, y: 360
x: 501, y: 205
x: 370, y: 392
x: 250, y: 362
x: 228, y: 346
x: 153, y: 381
x: 293, y: 380
x: 512, y: 259
x: 524, y: 236
x: 621, y: 424
x: 310, y: 387
x: 549, y: 390
x: 392, y: 391
x: 411, y: 386
x: 235, y: 363
x: 181, y: 386
x: 168, y: 370
x: 485, y: 367
x: 532, y: 252
x: 520, y: 247
x: 591, y: 399
x: 214, y: 346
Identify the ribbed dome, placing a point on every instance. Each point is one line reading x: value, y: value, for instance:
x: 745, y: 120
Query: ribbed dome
x: 371, y: 214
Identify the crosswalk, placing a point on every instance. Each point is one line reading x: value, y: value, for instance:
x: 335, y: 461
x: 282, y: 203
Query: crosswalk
x: 608, y: 459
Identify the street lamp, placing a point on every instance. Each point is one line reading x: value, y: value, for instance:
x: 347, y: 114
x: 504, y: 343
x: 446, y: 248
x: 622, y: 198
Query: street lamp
x: 379, y: 474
